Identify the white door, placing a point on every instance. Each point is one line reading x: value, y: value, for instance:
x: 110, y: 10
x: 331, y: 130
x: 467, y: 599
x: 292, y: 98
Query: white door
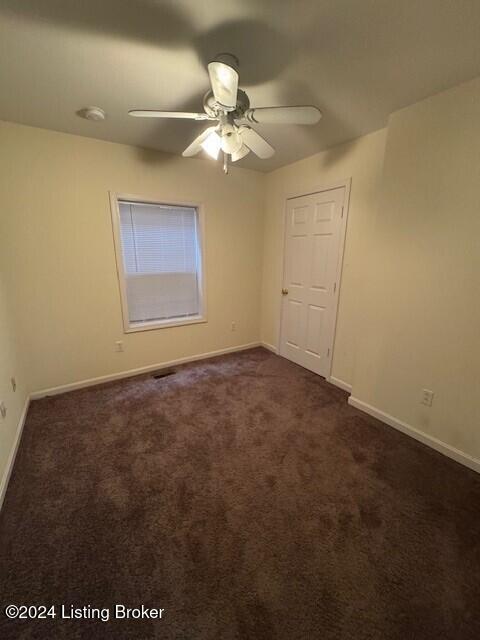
x: 313, y: 241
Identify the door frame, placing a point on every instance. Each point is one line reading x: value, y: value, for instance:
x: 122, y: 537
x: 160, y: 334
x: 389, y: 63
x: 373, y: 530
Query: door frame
x: 346, y: 183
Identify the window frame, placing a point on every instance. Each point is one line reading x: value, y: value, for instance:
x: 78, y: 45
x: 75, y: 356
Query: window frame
x: 133, y: 327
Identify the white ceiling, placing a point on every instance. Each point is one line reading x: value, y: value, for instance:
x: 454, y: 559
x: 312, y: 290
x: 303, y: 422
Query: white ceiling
x: 357, y: 60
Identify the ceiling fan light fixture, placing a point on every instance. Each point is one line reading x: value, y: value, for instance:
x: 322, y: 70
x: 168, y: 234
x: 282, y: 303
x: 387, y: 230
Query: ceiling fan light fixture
x: 212, y: 145
x: 231, y: 142
x: 228, y: 107
x: 223, y: 72
x: 241, y: 153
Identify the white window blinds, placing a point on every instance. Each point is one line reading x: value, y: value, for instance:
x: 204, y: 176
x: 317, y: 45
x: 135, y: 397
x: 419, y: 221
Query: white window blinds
x: 160, y: 247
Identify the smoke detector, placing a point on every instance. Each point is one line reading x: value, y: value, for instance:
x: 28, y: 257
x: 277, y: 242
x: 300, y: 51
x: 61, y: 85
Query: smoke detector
x: 92, y: 113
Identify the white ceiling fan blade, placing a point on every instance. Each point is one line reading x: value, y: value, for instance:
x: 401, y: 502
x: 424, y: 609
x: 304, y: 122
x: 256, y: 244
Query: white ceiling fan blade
x: 196, y: 145
x: 152, y: 113
x: 244, y: 150
x: 256, y: 143
x: 284, y: 115
x: 224, y: 80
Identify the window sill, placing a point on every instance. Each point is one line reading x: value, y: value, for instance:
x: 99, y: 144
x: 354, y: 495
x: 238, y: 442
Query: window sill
x: 163, y: 324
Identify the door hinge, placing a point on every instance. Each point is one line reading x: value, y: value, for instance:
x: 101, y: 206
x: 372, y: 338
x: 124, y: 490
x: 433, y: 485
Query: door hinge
x: 334, y: 287
x: 328, y: 352
x: 342, y: 211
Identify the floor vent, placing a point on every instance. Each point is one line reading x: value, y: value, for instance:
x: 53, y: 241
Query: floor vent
x: 163, y: 373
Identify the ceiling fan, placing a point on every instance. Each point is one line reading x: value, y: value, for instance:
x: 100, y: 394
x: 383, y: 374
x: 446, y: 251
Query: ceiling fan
x: 229, y: 108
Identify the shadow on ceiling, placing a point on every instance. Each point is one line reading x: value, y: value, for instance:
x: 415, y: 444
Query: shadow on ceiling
x: 166, y: 25
x: 169, y: 25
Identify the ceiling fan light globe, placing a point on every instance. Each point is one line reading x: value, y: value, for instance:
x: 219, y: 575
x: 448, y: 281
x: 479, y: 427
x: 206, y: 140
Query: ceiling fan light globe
x: 244, y: 150
x: 224, y: 81
x: 231, y: 142
x: 212, y: 145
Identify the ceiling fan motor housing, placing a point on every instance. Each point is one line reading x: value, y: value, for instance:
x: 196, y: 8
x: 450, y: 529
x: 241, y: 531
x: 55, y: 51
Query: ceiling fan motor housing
x: 213, y: 109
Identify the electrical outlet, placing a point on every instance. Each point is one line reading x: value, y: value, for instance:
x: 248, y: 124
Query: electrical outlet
x: 3, y: 410
x: 119, y: 346
x: 427, y: 397
x: 234, y: 326
x: 14, y: 383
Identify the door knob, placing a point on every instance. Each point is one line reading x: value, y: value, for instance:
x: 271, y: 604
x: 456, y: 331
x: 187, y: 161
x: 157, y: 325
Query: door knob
x: 284, y: 292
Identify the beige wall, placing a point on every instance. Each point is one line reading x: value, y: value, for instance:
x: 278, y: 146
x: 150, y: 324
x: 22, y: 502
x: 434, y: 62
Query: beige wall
x: 362, y: 161
x: 61, y: 259
x: 10, y: 365
x: 421, y: 326
x: 409, y: 311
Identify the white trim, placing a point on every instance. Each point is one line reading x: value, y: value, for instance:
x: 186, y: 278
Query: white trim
x: 13, y: 453
x: 270, y: 347
x: 309, y: 192
x: 447, y: 450
x: 346, y: 184
x: 341, y: 251
x: 133, y: 327
x: 149, y: 325
x: 90, y: 382
x: 340, y: 383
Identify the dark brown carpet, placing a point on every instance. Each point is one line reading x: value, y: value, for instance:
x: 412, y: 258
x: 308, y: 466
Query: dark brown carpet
x: 246, y: 498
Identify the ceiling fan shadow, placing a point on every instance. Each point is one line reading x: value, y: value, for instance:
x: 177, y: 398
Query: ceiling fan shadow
x: 241, y: 38
x: 156, y: 23
x: 153, y: 157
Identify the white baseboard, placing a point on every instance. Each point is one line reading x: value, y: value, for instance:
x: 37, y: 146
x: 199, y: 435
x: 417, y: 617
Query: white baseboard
x: 447, y: 450
x: 340, y: 383
x: 270, y: 347
x: 53, y: 391
x: 13, y: 452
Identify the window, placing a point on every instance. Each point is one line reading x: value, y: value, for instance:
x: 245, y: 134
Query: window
x: 159, y: 263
